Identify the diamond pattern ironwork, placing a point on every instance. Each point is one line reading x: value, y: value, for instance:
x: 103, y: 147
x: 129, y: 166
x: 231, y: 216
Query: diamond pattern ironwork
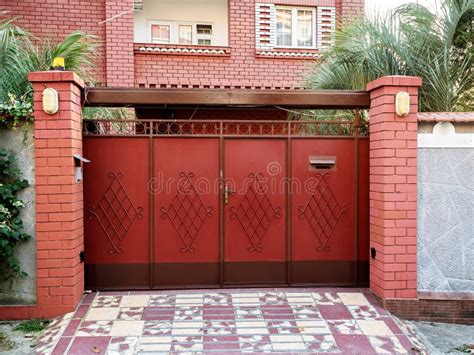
x: 255, y: 212
x: 115, y: 213
x: 322, y: 212
x: 186, y: 212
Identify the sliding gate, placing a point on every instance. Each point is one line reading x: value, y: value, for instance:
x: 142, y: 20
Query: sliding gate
x: 225, y: 203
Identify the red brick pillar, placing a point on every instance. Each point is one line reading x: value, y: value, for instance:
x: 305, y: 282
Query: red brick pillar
x: 120, y: 69
x: 59, y: 199
x: 393, y: 189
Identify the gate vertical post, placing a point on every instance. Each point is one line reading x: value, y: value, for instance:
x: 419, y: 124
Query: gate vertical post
x: 59, y: 198
x: 393, y: 189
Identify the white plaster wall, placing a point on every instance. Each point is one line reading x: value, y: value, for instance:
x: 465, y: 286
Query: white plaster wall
x: 206, y: 11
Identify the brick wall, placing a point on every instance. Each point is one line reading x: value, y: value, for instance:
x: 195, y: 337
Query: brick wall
x: 55, y: 19
x: 393, y: 189
x: 59, y: 199
x: 350, y: 9
x: 118, y: 63
x: 241, y: 68
x: 119, y: 43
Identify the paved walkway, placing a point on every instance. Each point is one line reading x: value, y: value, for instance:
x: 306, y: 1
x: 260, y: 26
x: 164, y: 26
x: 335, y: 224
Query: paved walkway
x: 229, y: 321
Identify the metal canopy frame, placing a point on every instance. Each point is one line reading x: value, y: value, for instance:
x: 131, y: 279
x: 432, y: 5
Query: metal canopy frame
x: 157, y: 97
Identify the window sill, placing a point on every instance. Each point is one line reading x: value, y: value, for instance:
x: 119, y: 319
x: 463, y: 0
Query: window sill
x: 289, y: 53
x: 176, y: 49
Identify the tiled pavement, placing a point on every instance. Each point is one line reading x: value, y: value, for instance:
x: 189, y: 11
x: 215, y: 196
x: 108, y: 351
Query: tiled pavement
x: 348, y: 321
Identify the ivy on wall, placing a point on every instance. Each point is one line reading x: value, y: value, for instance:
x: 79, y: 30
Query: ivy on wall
x: 11, y: 225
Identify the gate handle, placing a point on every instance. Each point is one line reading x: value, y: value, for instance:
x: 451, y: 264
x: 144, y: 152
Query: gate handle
x: 227, y: 190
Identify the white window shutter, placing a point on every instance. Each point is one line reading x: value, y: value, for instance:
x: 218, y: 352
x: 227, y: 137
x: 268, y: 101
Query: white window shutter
x: 264, y: 26
x: 326, y: 26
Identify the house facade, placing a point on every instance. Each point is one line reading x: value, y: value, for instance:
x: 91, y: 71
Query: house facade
x: 248, y: 44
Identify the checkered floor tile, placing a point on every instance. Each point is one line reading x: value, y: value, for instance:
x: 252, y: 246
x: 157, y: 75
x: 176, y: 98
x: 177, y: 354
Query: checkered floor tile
x: 348, y: 321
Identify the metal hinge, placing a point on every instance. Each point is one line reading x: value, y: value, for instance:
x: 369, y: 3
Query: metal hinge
x: 82, y: 256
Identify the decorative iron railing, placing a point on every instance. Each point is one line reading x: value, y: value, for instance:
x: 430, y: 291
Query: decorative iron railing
x: 227, y: 128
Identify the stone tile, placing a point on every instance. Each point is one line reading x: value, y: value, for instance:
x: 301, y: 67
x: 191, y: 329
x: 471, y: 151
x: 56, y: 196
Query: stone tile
x: 89, y: 345
x: 312, y: 327
x: 354, y: 344
x: 325, y: 298
x: 267, y: 320
x: 219, y: 328
x: 132, y: 313
x: 255, y: 343
x: 248, y: 312
x: 320, y: 343
x: 182, y: 313
x: 363, y: 312
x: 123, y: 346
x: 218, y: 299
x: 61, y: 346
x: 353, y: 299
x: 102, y: 313
x: 94, y: 328
x: 387, y: 345
x: 251, y: 327
x: 122, y: 328
x: 344, y: 326
x: 152, y: 328
x: 135, y: 301
x: 106, y: 301
x: 300, y: 299
x: 374, y: 327
x: 337, y: 311
x: 162, y: 300
x: 154, y: 344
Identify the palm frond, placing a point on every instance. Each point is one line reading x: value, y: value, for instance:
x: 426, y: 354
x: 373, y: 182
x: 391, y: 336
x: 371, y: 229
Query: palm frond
x: 411, y: 40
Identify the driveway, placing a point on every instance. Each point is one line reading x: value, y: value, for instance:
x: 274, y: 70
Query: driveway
x: 229, y: 321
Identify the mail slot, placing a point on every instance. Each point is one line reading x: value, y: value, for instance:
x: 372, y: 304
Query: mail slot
x: 322, y: 163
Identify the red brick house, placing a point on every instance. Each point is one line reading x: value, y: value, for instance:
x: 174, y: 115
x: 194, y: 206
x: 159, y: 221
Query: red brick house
x: 210, y: 47
x: 206, y: 44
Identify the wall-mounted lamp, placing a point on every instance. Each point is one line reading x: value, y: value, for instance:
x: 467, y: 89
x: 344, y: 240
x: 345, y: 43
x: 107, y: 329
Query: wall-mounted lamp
x: 402, y: 104
x: 50, y: 101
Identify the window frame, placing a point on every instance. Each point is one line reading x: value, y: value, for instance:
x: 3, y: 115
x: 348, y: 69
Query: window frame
x: 294, y: 26
x: 174, y: 32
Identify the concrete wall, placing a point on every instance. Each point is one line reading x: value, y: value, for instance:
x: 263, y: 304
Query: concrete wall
x: 23, y: 290
x: 446, y: 207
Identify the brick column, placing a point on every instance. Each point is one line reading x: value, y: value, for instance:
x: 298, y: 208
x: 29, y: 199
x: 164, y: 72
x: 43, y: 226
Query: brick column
x: 393, y: 189
x: 59, y: 199
x: 120, y: 68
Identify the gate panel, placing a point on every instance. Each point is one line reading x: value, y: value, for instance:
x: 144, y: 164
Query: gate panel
x: 324, y: 249
x: 255, y: 215
x: 117, y: 213
x: 186, y: 217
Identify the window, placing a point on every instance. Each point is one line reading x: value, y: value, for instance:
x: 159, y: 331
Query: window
x: 181, y: 33
x: 160, y: 34
x: 295, y: 27
x: 185, y: 34
x: 204, y: 35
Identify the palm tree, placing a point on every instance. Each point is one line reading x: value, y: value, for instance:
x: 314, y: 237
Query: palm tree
x: 411, y: 40
x: 21, y: 53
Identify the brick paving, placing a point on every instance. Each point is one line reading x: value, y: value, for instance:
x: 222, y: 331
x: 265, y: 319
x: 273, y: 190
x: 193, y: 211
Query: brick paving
x: 229, y: 321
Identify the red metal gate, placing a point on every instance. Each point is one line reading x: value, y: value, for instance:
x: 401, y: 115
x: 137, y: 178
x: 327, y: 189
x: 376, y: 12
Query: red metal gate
x: 225, y: 203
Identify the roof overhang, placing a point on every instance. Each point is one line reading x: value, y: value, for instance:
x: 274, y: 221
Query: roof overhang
x: 151, y: 97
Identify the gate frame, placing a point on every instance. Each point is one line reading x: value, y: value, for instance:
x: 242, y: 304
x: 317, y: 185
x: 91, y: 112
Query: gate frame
x: 292, y: 130
x: 59, y: 236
